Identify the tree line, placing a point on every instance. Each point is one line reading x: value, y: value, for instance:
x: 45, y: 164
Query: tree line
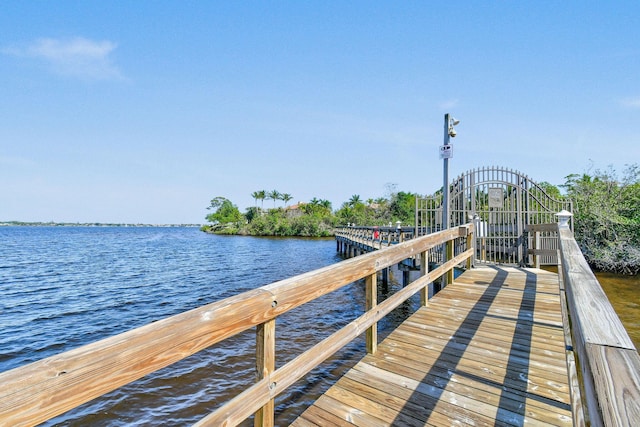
x: 315, y: 218
x: 606, y: 215
x: 606, y: 211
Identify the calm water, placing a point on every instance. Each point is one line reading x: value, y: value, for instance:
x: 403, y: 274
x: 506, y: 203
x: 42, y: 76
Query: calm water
x: 624, y: 294
x: 64, y: 287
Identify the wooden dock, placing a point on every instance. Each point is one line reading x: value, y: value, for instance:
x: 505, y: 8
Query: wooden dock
x: 495, y: 347
x: 487, y: 350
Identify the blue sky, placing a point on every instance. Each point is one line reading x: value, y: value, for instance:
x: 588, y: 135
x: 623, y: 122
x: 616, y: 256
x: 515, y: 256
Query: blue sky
x: 145, y: 111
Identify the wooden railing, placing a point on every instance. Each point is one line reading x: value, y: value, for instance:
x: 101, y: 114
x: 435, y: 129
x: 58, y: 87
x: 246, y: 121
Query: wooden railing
x: 609, y: 364
x: 366, y: 239
x: 376, y: 237
x: 607, y: 359
x: 42, y: 390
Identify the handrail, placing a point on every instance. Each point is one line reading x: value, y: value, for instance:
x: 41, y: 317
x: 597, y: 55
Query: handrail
x: 42, y: 390
x: 375, y: 237
x: 608, y: 360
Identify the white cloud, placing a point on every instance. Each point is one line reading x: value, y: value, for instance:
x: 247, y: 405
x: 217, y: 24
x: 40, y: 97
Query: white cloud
x: 77, y: 57
x: 631, y: 102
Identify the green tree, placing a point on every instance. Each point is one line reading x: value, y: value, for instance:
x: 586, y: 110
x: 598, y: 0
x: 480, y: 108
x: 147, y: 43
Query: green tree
x: 274, y: 195
x: 551, y: 190
x: 262, y: 194
x: 252, y: 213
x: 606, y: 221
x: 286, y: 197
x: 325, y: 204
x: 318, y: 208
x: 403, y: 207
x: 257, y: 195
x: 225, y: 212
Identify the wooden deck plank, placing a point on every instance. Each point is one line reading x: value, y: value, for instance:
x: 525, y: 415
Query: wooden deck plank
x: 496, y: 371
x: 485, y: 334
x: 460, y: 383
x: 370, y: 376
x: 488, y: 350
x: 458, y: 396
x: 314, y: 415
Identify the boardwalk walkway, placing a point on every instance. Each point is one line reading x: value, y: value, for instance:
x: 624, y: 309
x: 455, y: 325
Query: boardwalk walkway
x: 488, y: 350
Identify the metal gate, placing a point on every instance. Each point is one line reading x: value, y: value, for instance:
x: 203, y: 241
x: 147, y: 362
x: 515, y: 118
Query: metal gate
x: 502, y: 203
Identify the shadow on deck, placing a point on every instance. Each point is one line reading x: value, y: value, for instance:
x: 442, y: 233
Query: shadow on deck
x: 487, y: 350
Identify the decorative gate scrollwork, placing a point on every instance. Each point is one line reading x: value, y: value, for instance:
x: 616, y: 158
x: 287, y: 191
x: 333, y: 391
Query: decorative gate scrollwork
x: 501, y: 202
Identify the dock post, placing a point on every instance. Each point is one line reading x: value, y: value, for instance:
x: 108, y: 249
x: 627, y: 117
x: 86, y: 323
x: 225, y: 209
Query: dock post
x: 448, y: 277
x: 424, y: 269
x: 371, y: 301
x: 265, y: 365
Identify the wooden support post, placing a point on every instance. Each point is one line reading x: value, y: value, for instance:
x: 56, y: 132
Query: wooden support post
x: 406, y: 277
x: 265, y: 365
x: 449, y: 274
x: 371, y: 292
x: 424, y: 269
x: 536, y: 246
x: 470, y: 244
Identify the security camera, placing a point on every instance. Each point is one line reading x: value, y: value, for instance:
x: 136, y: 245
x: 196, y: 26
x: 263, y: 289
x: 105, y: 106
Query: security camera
x: 452, y: 132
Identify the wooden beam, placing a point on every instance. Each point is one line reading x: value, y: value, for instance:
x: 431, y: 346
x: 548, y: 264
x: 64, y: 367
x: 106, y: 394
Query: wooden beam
x: 424, y: 269
x: 371, y: 290
x: 265, y: 365
x: 609, y: 362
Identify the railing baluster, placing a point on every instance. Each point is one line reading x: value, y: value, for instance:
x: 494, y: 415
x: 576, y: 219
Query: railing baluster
x: 470, y: 244
x: 449, y: 274
x: 371, y: 295
x: 265, y: 365
x: 536, y: 245
x: 424, y: 269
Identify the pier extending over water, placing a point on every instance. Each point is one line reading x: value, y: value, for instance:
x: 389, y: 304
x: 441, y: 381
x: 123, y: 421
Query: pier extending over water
x: 496, y: 337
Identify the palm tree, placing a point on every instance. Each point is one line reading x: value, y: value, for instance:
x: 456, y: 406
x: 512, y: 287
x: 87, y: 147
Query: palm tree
x: 274, y: 195
x: 381, y: 200
x: 255, y: 195
x: 354, y: 200
x: 286, y: 197
x: 262, y: 194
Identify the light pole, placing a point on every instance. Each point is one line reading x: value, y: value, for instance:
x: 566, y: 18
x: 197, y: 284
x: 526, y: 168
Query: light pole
x: 446, y: 152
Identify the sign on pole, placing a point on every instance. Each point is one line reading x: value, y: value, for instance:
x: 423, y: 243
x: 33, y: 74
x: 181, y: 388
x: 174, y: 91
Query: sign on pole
x: 496, y: 197
x: 446, y: 151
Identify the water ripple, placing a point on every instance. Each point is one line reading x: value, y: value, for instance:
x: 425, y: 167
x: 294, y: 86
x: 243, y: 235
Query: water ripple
x: 64, y: 287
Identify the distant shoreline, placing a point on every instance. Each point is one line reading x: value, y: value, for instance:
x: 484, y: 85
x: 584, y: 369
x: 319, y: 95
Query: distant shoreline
x: 86, y: 224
